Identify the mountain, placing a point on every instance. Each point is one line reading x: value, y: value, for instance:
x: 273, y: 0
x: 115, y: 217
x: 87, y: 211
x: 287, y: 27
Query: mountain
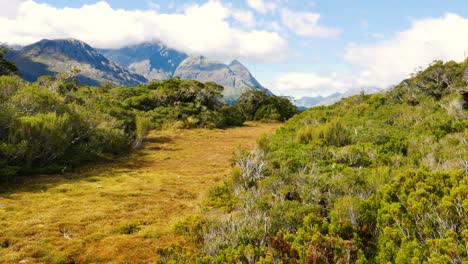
x: 308, y: 102
x: 235, y: 77
x: 154, y: 60
x: 130, y: 65
x: 48, y: 57
x: 6, y: 67
x: 10, y: 47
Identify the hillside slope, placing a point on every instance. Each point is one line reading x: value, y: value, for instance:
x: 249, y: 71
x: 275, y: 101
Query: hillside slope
x: 377, y: 178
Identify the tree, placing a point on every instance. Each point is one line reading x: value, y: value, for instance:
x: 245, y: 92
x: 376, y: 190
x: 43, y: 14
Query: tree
x: 251, y: 101
x: 258, y: 105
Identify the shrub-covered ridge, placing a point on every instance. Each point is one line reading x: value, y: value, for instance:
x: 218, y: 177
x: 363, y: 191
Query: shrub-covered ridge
x: 372, y: 179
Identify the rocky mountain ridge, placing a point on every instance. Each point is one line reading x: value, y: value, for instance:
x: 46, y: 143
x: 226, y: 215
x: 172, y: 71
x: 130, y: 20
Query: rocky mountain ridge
x: 49, y: 57
x: 131, y: 65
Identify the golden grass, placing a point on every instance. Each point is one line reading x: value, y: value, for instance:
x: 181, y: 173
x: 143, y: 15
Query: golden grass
x: 80, y: 216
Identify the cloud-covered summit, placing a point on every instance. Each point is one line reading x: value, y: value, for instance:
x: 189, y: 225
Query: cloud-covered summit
x: 199, y: 28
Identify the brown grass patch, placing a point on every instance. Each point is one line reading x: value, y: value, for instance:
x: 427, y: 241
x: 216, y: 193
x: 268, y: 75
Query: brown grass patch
x: 76, y: 216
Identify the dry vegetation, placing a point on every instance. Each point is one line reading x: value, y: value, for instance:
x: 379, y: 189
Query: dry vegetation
x: 118, y: 212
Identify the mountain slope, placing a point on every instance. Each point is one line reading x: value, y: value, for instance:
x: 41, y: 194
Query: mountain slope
x: 154, y: 61
x: 235, y: 77
x: 48, y: 57
x: 6, y: 67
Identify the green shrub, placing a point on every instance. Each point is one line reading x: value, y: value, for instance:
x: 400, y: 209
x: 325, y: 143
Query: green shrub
x: 191, y: 228
x: 221, y: 197
x: 129, y: 228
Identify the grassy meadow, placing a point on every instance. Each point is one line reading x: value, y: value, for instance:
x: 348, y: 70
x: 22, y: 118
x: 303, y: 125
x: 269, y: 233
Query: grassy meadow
x: 119, y: 211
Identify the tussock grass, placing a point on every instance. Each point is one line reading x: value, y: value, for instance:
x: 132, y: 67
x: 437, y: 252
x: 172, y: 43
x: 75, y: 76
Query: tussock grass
x: 120, y: 211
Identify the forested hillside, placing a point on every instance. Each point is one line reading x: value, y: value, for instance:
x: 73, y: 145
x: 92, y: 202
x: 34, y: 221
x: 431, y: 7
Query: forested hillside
x: 372, y: 179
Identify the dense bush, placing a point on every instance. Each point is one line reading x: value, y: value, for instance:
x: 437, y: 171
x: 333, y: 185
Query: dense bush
x: 42, y: 131
x: 54, y: 123
x: 372, y: 179
x: 258, y: 105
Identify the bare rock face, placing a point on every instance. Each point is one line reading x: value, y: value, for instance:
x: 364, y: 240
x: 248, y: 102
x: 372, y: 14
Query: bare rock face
x: 48, y: 57
x: 235, y: 78
x: 154, y: 60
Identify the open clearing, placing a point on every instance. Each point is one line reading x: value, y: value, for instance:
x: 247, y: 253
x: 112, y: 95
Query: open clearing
x: 83, y: 216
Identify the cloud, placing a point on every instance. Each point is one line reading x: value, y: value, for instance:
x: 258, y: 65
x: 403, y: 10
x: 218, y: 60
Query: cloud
x: 385, y: 62
x: 306, y: 24
x: 262, y: 6
x: 201, y: 29
x: 246, y: 18
x: 9, y: 8
x: 153, y: 5
x: 395, y: 58
x: 298, y: 84
x: 378, y: 35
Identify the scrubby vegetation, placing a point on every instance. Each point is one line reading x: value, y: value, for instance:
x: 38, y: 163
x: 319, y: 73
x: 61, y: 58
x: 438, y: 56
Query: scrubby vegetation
x: 379, y: 178
x: 259, y: 106
x: 53, y: 124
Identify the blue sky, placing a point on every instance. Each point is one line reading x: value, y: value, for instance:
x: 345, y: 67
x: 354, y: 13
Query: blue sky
x: 299, y: 48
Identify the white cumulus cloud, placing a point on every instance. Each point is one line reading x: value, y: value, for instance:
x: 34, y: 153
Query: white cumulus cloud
x: 307, y: 24
x: 387, y: 61
x: 203, y: 29
x: 263, y: 6
x: 9, y: 8
x: 246, y: 18
x: 298, y: 84
x: 394, y: 59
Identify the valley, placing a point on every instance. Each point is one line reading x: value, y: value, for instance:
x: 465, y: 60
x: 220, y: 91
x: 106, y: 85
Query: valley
x: 123, y: 210
x: 253, y: 132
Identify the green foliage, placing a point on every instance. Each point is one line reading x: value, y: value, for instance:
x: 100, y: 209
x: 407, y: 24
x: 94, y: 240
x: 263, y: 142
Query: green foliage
x: 423, y: 212
x: 192, y: 228
x: 54, y: 124
x: 372, y: 179
x: 258, y: 105
x: 174, y: 254
x: 143, y: 126
x: 437, y: 80
x: 221, y: 197
x: 129, y: 228
x: 233, y: 116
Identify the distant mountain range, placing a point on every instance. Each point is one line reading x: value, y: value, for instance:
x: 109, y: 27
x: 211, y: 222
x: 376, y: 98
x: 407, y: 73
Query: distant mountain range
x: 48, y: 57
x: 139, y: 64
x: 130, y: 65
x: 307, y: 102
